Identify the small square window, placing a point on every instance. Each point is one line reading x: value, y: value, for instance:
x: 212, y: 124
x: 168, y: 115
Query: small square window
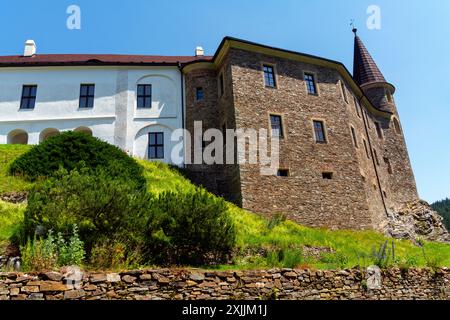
x: 283, y: 173
x: 319, y: 130
x: 28, y: 97
x: 269, y: 76
x: 310, y: 83
x: 327, y: 175
x: 276, y: 126
x: 144, y: 96
x: 200, y: 94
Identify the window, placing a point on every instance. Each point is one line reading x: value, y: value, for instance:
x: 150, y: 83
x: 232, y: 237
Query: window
x: 156, y: 145
x: 327, y: 175
x: 355, y: 140
x: 319, y: 130
x: 144, y: 96
x: 276, y: 126
x: 388, y: 96
x: 310, y: 83
x: 375, y: 154
x: 28, y: 97
x: 87, y: 93
x: 283, y: 173
x: 388, y: 164
x: 367, y: 149
x: 200, y: 94
x: 367, y: 119
x: 358, y: 107
x: 269, y: 76
x: 379, y: 131
x: 221, y: 85
x: 397, y: 128
x: 344, y: 91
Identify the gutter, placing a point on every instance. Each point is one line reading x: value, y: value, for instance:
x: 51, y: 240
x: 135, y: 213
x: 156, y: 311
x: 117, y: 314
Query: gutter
x: 183, y: 125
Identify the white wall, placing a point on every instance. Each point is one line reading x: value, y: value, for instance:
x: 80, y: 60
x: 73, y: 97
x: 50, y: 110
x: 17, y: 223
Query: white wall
x: 57, y: 103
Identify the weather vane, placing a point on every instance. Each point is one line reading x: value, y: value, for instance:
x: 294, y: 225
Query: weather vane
x: 352, y: 24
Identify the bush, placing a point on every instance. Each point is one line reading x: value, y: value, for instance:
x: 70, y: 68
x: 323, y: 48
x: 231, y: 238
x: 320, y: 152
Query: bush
x: 193, y: 228
x: 72, y: 150
x: 46, y: 254
x: 101, y: 206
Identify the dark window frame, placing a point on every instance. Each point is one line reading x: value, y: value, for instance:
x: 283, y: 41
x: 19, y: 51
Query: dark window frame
x: 144, y: 96
x: 355, y: 138
x: 199, y: 94
x: 311, y: 85
x: 87, y: 100
x: 320, y: 132
x: 327, y: 175
x: 283, y: 173
x: 157, y: 146
x: 272, y: 124
x: 270, y: 80
x: 28, y: 98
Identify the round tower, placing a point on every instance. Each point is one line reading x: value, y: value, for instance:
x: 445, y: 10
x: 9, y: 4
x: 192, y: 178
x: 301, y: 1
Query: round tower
x: 394, y: 170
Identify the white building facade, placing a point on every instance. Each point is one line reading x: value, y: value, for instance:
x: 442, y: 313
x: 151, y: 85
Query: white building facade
x: 133, y: 102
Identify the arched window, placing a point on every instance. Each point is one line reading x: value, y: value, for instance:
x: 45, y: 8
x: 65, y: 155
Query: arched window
x: 18, y: 137
x: 397, y: 127
x: 85, y: 130
x: 48, y: 133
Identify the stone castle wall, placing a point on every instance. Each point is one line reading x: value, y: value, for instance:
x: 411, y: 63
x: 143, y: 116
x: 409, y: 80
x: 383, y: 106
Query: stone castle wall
x: 371, y: 179
x: 285, y: 284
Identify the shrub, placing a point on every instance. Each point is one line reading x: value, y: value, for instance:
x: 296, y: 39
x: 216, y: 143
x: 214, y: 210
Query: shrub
x: 72, y: 150
x: 284, y: 258
x: 114, y: 255
x: 101, y: 206
x: 46, y: 254
x: 193, y: 228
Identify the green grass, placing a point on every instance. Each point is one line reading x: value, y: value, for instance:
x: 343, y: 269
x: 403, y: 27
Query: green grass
x: 8, y: 183
x: 11, y: 215
x: 260, y: 244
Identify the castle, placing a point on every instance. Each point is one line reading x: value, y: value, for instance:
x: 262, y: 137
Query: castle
x: 343, y: 158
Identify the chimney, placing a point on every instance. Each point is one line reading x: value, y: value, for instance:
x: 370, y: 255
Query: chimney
x: 199, y: 52
x: 30, y: 48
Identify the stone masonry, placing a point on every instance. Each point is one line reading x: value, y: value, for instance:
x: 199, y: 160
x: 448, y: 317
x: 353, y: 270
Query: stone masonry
x: 372, y: 178
x: 283, y: 284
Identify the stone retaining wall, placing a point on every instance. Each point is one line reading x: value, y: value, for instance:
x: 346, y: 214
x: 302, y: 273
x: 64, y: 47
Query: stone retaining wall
x: 285, y: 284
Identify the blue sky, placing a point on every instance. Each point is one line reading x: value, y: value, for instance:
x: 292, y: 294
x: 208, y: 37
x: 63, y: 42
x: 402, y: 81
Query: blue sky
x: 411, y: 49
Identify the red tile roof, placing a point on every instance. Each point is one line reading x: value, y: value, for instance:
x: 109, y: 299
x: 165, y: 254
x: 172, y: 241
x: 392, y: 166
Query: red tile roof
x: 95, y: 59
x: 365, y: 70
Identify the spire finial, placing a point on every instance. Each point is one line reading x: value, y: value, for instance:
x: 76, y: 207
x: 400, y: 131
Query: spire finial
x: 354, y: 29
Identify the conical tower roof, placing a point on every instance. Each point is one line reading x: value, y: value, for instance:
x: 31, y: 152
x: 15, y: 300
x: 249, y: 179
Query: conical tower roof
x: 365, y: 70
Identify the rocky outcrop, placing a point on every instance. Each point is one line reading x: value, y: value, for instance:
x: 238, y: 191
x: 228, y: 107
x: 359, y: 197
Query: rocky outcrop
x: 416, y: 220
x: 14, y: 197
x: 283, y: 284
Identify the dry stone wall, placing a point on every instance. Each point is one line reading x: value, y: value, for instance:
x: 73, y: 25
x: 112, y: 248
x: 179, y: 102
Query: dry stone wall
x: 283, y: 284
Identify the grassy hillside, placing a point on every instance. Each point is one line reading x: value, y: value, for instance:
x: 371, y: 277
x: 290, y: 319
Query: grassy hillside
x: 261, y: 243
x: 7, y: 154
